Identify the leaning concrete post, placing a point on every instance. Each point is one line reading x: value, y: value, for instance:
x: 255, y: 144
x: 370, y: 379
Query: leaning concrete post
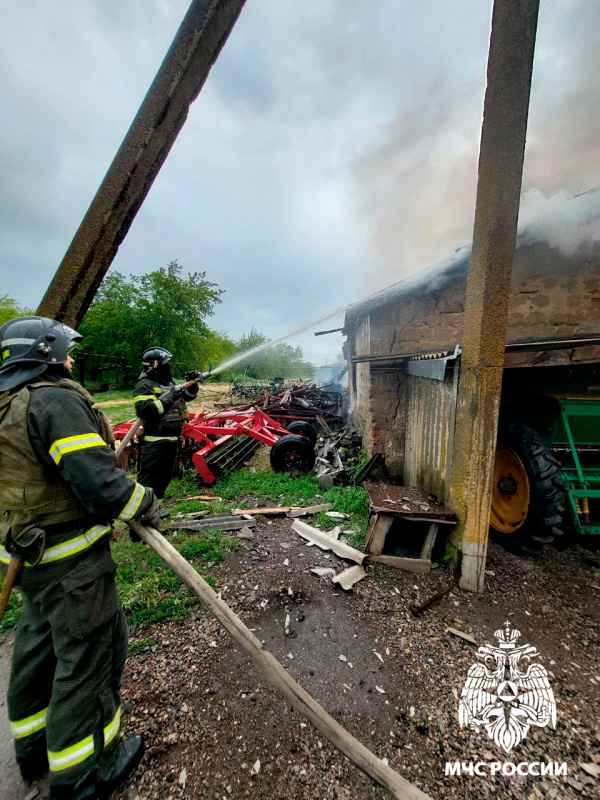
x: 506, y: 106
x: 194, y: 50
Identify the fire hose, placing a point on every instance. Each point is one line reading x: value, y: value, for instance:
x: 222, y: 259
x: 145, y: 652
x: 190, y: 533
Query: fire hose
x: 136, y: 425
x: 273, y: 671
x: 15, y: 565
x: 277, y: 676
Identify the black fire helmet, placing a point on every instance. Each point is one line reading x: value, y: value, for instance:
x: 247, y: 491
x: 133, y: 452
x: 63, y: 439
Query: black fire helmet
x: 154, y: 356
x: 29, y: 345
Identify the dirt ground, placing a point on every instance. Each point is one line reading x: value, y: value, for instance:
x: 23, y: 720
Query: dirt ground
x: 214, y: 729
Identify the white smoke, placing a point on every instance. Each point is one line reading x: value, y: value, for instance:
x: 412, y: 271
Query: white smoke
x: 561, y: 220
x: 417, y: 179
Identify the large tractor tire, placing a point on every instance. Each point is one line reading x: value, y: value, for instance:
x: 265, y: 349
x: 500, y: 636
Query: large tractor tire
x: 292, y: 454
x: 528, y: 493
x: 301, y: 428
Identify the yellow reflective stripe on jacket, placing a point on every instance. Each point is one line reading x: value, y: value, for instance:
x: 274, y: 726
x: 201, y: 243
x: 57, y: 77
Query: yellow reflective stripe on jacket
x: 70, y: 756
x: 112, y: 729
x: 29, y: 725
x: 70, y: 444
x: 76, y: 545
x: 68, y: 548
x: 133, y: 503
x: 155, y: 400
x: 161, y: 438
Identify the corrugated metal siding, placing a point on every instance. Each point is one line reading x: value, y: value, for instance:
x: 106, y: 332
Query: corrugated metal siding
x: 430, y: 416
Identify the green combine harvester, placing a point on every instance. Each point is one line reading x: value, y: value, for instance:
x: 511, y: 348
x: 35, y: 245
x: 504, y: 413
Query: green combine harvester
x: 547, y: 467
x: 577, y: 435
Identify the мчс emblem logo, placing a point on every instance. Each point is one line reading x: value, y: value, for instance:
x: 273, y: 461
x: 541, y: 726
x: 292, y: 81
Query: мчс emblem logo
x: 506, y: 694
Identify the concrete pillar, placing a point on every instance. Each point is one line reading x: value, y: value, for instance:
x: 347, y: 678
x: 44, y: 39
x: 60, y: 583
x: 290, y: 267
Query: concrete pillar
x: 195, y: 48
x: 506, y: 106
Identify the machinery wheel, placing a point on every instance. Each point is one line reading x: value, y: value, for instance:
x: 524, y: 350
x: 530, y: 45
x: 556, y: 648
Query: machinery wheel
x: 292, y: 454
x: 528, y: 493
x: 300, y: 428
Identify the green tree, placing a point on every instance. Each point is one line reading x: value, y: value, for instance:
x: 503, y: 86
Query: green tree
x: 9, y: 309
x: 159, y: 308
x: 279, y: 360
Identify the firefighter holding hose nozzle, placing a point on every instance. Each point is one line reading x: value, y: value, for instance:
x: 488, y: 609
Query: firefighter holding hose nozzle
x: 162, y: 407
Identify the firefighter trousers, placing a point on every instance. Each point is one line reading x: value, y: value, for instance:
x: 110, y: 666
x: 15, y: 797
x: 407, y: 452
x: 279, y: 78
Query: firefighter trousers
x: 157, y: 462
x: 69, y: 654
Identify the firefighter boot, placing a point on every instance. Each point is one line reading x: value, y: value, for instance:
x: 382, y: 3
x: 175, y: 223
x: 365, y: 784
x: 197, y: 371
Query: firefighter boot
x: 129, y: 755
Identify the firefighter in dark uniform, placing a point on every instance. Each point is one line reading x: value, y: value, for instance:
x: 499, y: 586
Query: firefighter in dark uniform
x: 161, y: 405
x: 60, y: 490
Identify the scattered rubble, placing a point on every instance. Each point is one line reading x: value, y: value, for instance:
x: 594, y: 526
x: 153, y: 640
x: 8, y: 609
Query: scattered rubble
x: 350, y: 576
x: 327, y: 542
x: 234, y: 718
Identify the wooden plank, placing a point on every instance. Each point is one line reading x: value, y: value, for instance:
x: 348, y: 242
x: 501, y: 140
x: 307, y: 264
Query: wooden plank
x: 407, y: 564
x: 326, y: 542
x: 324, y: 425
x: 277, y: 676
x: 271, y: 511
x: 302, y: 512
x: 379, y: 530
x: 429, y: 541
x: 372, y: 526
x: 206, y: 497
x: 408, y: 518
x: 211, y: 524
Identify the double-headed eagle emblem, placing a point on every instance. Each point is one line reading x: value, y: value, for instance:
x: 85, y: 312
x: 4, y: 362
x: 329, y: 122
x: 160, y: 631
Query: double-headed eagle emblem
x: 506, y: 694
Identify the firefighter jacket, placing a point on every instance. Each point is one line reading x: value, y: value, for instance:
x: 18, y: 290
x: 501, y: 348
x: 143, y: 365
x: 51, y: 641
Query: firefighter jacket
x: 58, y: 471
x: 163, y: 416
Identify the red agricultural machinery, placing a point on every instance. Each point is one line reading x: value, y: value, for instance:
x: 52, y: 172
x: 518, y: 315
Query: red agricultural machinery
x: 218, y: 442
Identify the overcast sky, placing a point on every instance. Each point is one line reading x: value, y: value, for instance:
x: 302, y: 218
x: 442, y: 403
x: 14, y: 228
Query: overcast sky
x: 332, y: 150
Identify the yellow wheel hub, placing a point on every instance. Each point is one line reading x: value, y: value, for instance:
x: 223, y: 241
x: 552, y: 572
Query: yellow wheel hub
x: 510, y: 496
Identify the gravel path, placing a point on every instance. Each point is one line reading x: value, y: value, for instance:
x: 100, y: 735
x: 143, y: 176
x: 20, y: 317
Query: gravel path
x: 214, y: 729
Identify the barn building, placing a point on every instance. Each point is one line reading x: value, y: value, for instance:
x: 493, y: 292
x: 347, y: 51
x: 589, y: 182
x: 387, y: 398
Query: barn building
x: 403, y: 350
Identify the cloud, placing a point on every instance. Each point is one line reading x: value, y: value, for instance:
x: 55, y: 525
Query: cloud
x: 417, y: 177
x: 332, y: 149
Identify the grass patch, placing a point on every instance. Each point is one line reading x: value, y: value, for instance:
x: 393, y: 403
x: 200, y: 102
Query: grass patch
x: 117, y: 414
x: 105, y: 398
x: 149, y: 591
x: 140, y: 645
x: 13, y: 611
x: 271, y: 486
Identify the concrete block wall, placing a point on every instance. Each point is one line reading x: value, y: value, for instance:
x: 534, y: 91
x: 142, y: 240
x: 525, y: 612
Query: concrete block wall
x: 552, y: 296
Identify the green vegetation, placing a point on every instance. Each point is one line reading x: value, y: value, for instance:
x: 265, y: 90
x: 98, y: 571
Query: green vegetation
x: 140, y: 645
x: 279, y: 360
x: 149, y: 591
x: 13, y: 612
x: 127, y: 313
x: 9, y: 309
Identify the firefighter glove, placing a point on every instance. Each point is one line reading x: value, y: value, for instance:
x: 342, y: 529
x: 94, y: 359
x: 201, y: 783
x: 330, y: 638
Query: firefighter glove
x: 151, y: 517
